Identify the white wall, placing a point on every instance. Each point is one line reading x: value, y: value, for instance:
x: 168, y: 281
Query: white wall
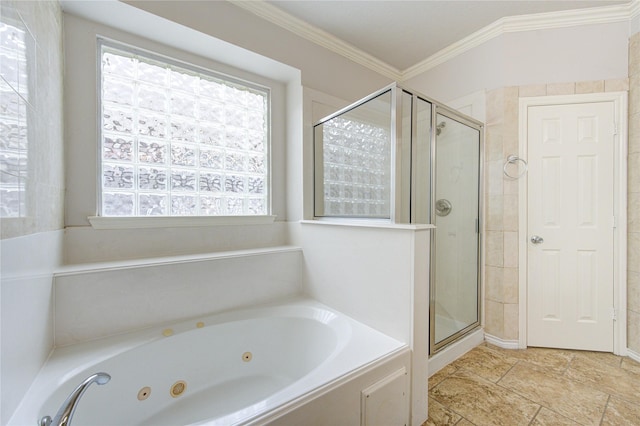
x: 363, y: 272
x: 89, y: 302
x: 321, y: 69
x: 581, y: 53
x: 27, y: 264
x: 85, y: 244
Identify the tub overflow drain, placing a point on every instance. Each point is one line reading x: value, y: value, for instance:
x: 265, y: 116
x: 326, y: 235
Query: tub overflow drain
x: 178, y: 388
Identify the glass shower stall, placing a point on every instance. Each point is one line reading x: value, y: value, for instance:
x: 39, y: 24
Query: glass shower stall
x: 398, y: 156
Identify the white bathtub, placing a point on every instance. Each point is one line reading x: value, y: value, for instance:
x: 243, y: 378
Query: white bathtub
x: 238, y: 367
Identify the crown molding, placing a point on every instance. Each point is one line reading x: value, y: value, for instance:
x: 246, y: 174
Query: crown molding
x: 568, y: 18
x: 512, y: 24
x: 317, y: 36
x: 634, y: 9
x: 509, y: 24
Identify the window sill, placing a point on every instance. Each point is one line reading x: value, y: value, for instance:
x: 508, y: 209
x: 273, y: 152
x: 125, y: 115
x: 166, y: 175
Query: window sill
x: 101, y: 222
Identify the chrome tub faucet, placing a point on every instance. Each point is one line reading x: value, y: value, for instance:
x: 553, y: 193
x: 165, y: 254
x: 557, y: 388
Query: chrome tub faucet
x: 63, y: 418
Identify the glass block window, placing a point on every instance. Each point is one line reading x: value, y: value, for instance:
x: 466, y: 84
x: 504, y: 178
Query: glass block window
x: 14, y: 97
x: 177, y: 140
x: 353, y: 162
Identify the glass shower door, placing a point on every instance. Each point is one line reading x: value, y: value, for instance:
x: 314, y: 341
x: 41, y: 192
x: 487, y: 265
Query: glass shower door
x: 456, y: 213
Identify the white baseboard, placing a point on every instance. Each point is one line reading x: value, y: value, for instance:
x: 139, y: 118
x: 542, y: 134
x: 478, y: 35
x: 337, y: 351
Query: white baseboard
x: 513, y: 344
x: 633, y: 355
x: 501, y: 343
x: 455, y: 351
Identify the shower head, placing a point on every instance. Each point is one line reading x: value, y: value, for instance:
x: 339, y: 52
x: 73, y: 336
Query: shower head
x: 439, y: 127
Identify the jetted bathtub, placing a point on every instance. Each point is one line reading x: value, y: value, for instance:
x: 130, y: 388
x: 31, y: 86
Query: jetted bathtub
x: 226, y: 369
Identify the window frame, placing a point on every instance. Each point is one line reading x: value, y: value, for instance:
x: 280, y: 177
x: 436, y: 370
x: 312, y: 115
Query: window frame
x: 152, y: 221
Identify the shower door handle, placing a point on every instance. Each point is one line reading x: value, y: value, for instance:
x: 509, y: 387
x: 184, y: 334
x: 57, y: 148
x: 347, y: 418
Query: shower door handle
x: 537, y: 239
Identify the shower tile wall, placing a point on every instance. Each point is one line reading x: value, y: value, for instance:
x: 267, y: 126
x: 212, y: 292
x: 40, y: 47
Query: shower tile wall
x: 501, y: 199
x: 501, y: 242
x: 633, y: 209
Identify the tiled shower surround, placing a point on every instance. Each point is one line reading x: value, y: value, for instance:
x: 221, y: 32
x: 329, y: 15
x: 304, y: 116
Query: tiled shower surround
x: 501, y: 202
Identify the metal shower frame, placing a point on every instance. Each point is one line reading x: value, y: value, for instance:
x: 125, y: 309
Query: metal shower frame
x: 402, y: 208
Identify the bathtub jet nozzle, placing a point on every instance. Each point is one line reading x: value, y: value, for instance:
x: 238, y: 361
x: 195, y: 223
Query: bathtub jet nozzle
x: 63, y: 418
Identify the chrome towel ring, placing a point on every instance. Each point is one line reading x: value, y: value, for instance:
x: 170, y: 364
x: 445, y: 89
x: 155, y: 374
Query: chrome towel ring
x: 514, y: 159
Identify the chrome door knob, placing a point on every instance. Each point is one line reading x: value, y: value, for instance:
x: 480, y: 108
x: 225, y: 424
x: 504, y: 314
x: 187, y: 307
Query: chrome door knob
x: 537, y: 239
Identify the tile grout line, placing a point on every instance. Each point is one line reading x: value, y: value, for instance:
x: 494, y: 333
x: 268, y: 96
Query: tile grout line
x: 473, y: 373
x: 563, y: 375
x: 622, y: 397
x: 505, y: 358
x: 515, y: 392
x: 507, y: 372
x: 605, y: 409
x: 446, y: 406
x: 443, y: 379
x: 453, y: 411
x: 535, y: 415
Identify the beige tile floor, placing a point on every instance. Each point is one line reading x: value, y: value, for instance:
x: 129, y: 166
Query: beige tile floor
x: 535, y: 386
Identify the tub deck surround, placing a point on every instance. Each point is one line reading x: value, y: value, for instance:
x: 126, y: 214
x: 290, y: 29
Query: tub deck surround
x: 238, y: 367
x: 102, y: 299
x: 80, y: 268
x: 378, y: 275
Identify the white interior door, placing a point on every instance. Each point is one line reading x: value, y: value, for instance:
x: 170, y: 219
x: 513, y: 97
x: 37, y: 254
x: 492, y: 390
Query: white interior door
x: 570, y: 287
